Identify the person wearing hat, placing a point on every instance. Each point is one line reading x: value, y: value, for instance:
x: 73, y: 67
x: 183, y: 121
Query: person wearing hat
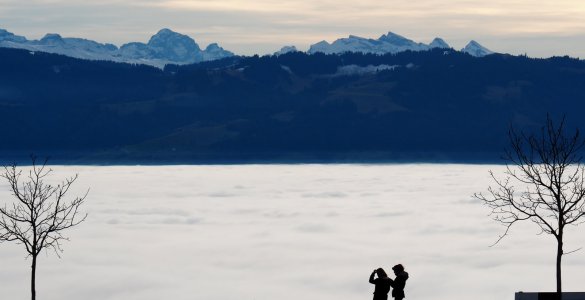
x: 399, y: 282
x: 382, y: 284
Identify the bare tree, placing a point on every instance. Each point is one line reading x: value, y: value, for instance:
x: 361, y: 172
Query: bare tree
x: 39, y: 213
x: 544, y: 183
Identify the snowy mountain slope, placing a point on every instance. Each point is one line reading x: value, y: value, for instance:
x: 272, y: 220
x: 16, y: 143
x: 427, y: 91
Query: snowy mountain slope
x: 439, y: 43
x: 473, y: 48
x: 389, y: 43
x: 213, y: 52
x: 6, y: 36
x: 164, y: 47
x: 286, y: 49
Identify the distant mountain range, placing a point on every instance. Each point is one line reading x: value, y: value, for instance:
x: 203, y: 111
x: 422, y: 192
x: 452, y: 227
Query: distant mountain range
x: 169, y: 47
x: 165, y: 47
x: 390, y: 43
x: 435, y: 105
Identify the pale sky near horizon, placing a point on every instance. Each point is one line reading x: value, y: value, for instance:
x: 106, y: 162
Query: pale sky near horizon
x: 537, y: 28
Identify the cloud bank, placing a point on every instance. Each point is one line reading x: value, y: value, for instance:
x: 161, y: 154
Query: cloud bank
x: 289, y: 232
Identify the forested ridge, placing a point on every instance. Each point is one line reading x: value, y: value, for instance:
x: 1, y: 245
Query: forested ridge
x: 438, y: 105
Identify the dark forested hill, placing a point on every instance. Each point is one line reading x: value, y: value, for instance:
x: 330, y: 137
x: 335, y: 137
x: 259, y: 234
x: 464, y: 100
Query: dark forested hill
x: 414, y: 106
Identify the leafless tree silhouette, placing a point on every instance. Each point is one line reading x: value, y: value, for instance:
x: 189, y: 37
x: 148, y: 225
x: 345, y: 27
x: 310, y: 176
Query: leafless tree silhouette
x: 544, y: 183
x: 38, y: 213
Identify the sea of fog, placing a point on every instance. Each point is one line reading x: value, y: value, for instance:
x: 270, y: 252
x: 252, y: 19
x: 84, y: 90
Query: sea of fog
x: 260, y: 232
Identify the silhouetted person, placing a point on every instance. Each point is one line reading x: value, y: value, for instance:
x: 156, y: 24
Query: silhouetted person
x: 399, y: 282
x: 382, y: 284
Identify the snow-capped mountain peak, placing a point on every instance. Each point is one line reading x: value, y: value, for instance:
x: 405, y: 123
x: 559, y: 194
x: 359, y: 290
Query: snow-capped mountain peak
x: 212, y: 47
x: 164, y: 33
x: 474, y: 48
x: 439, y: 43
x: 213, y: 51
x: 322, y: 46
x: 174, y: 46
x: 51, y: 37
x: 286, y: 49
x: 395, y: 39
x: 166, y: 37
x: 4, y: 32
x: 9, y: 36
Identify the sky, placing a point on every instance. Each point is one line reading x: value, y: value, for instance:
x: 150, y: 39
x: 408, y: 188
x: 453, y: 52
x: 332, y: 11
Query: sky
x: 259, y: 232
x: 539, y: 28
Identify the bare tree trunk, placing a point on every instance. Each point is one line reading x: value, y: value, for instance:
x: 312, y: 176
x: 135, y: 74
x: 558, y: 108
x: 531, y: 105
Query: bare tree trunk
x: 33, y: 291
x: 559, y: 257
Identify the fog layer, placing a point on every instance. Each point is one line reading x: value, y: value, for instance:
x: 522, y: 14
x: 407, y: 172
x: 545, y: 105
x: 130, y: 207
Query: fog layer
x: 287, y: 232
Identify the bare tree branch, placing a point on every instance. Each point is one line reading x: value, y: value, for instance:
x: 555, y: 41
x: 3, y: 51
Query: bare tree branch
x: 547, y: 168
x: 39, y: 212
